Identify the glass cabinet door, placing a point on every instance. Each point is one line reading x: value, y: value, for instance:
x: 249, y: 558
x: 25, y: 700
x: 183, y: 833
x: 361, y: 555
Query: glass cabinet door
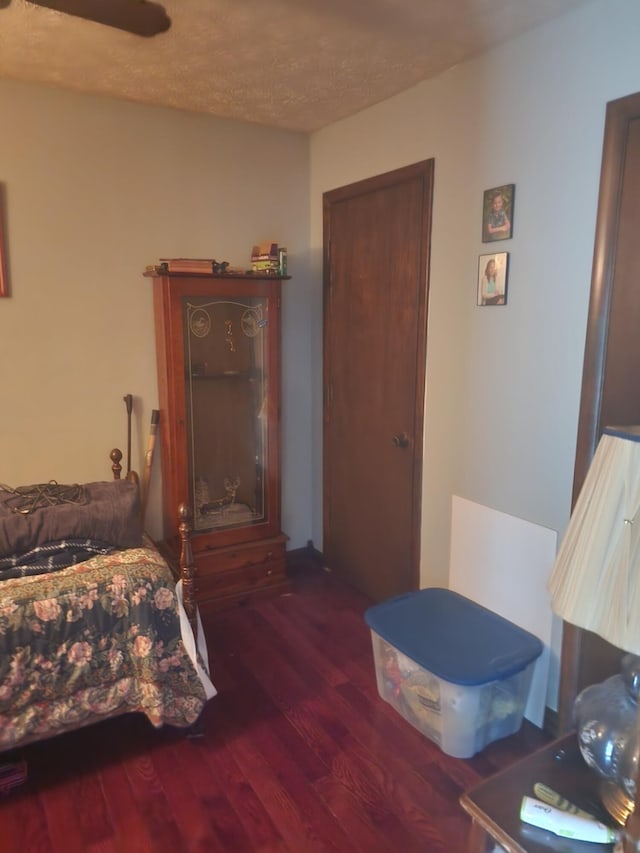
x: 227, y: 386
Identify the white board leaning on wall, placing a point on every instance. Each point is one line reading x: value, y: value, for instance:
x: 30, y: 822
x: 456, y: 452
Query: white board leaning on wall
x: 503, y: 563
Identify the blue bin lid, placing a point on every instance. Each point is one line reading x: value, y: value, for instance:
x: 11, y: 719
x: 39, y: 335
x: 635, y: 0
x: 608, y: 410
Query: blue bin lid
x: 452, y: 637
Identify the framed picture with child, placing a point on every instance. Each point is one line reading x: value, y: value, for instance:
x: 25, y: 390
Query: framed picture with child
x: 493, y: 271
x: 497, y: 213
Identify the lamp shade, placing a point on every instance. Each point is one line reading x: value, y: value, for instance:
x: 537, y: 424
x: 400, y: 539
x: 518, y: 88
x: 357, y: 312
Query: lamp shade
x: 595, y: 580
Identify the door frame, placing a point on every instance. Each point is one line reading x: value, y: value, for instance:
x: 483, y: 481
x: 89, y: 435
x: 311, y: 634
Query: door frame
x: 425, y: 171
x: 585, y: 657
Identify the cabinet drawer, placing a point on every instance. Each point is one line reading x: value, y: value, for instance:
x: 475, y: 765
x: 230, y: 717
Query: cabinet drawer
x: 241, y: 581
x: 220, y: 560
x: 238, y: 574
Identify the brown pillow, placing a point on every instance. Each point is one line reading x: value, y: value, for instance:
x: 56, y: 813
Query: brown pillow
x: 108, y: 511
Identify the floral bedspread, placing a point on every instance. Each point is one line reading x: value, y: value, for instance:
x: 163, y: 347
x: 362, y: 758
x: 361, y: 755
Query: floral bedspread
x: 91, y: 641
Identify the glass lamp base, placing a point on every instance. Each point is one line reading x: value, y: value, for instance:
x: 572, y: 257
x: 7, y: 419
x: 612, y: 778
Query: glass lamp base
x: 606, y: 717
x: 615, y: 801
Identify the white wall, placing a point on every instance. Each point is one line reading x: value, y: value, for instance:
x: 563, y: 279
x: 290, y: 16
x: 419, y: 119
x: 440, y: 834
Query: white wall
x: 503, y: 384
x: 96, y: 189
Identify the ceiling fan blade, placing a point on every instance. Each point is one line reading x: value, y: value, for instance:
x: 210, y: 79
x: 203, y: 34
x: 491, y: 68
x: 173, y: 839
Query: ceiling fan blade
x: 140, y: 17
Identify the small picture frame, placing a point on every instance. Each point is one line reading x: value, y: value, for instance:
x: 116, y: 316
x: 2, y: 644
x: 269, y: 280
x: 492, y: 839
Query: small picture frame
x: 493, y: 273
x: 497, y: 213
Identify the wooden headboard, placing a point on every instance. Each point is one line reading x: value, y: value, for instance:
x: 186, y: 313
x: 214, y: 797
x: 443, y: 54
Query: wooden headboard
x: 611, y: 373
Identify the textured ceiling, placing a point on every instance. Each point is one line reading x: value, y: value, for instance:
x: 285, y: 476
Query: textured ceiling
x: 295, y: 64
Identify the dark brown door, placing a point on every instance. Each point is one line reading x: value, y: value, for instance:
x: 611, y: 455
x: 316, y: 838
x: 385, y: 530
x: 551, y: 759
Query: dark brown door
x: 376, y: 255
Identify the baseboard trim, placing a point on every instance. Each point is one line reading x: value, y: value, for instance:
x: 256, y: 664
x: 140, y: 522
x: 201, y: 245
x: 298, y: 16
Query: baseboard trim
x: 308, y: 555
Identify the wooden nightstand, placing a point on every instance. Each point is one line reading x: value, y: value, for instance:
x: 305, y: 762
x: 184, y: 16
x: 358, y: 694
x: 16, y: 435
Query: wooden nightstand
x: 494, y: 805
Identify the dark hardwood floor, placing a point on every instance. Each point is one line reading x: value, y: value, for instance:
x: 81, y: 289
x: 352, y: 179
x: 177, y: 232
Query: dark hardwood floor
x: 299, y: 753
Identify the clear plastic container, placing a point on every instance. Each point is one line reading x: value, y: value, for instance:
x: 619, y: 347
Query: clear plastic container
x: 456, y: 671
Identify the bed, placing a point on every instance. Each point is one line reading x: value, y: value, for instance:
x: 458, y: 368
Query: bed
x: 93, y: 623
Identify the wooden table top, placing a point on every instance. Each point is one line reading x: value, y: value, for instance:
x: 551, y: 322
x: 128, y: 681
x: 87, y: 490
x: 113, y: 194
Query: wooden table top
x: 495, y: 802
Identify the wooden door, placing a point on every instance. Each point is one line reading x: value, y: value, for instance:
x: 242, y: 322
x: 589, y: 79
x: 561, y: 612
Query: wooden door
x: 376, y: 256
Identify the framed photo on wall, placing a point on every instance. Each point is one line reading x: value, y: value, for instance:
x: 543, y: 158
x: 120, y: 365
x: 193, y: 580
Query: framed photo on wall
x: 497, y: 213
x: 493, y: 273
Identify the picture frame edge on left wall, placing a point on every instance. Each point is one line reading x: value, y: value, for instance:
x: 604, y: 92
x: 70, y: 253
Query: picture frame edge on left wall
x: 4, y: 282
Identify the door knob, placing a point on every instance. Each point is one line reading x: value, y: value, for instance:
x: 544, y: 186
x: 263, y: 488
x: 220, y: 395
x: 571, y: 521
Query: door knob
x: 401, y: 440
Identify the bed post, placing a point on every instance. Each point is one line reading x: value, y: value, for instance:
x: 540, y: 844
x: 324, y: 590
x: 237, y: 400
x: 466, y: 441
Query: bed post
x: 187, y: 568
x: 116, y: 458
x: 188, y: 577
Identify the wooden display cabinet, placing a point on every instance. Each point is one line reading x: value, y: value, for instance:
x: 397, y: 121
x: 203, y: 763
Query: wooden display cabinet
x: 218, y: 355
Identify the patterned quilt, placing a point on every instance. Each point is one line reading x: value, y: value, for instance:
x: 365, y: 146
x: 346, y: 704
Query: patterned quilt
x: 91, y: 641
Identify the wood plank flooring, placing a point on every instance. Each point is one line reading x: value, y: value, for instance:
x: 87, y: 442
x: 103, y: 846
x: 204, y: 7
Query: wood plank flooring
x: 299, y: 753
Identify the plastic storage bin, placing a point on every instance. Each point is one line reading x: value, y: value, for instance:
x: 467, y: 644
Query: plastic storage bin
x: 456, y: 671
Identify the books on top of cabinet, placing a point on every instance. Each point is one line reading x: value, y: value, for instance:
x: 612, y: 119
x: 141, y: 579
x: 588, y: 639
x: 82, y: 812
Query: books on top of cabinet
x: 208, y: 266
x: 268, y: 258
x: 273, y: 262
x: 187, y: 264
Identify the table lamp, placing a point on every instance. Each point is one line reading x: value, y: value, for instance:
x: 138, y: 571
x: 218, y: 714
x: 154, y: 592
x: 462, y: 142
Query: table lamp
x: 595, y: 584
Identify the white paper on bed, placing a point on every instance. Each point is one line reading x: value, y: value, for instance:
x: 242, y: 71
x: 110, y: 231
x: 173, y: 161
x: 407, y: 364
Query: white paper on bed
x: 503, y: 563
x: 190, y: 645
